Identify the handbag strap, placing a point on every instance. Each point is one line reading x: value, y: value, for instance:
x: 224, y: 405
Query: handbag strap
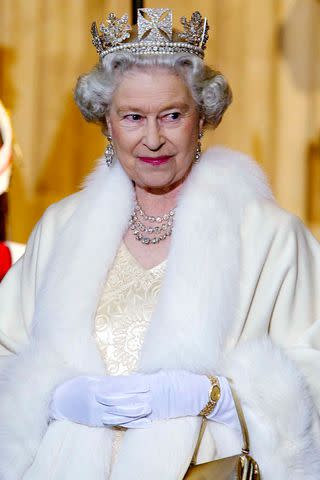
x: 242, y: 421
x: 201, y: 433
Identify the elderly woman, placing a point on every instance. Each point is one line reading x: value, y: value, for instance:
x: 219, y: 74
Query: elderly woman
x: 171, y: 276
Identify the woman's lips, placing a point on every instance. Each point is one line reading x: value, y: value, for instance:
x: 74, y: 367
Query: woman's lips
x: 156, y: 160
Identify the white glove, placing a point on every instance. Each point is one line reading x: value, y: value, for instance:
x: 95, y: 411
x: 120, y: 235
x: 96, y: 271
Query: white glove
x: 136, y: 400
x: 167, y: 394
x: 75, y: 400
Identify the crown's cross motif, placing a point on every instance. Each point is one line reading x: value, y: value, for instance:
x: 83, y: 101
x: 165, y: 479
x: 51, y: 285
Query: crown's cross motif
x: 155, y: 24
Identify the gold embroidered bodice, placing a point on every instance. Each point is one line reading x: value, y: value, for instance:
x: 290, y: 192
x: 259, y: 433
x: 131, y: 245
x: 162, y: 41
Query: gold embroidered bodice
x: 123, y: 315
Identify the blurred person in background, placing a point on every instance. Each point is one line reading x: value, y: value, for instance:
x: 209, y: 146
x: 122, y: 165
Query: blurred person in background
x: 10, y: 252
x: 5, y: 161
x: 170, y: 279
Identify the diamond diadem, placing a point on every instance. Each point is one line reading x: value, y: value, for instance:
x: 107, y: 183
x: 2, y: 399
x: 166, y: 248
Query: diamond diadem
x: 154, y: 35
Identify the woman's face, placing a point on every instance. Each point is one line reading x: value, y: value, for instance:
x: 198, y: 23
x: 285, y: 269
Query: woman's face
x: 154, y: 124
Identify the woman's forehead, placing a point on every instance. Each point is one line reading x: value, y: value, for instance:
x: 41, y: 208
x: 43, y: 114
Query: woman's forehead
x: 156, y: 90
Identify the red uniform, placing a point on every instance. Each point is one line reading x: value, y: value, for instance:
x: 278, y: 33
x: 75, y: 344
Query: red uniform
x: 5, y: 260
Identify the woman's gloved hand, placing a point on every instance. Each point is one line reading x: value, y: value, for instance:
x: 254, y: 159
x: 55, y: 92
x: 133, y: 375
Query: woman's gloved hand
x: 135, y: 400
x: 75, y: 400
x: 168, y: 394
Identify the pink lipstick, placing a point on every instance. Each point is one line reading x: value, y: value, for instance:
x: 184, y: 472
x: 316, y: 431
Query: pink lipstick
x: 156, y: 160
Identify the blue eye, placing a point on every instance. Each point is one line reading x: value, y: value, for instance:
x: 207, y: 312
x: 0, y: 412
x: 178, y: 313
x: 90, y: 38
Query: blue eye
x: 133, y: 116
x: 174, y: 115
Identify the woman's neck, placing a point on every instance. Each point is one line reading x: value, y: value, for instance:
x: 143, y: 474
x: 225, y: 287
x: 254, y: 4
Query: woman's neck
x: 157, y: 204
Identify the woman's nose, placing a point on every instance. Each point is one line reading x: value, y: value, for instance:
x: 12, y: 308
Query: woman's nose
x: 153, y: 139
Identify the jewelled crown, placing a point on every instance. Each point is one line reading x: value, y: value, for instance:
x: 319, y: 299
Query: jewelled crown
x: 153, y: 35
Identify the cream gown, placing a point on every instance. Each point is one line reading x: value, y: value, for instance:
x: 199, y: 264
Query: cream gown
x: 123, y: 315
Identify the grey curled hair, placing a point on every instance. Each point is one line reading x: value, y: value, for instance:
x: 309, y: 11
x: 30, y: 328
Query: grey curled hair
x: 209, y: 88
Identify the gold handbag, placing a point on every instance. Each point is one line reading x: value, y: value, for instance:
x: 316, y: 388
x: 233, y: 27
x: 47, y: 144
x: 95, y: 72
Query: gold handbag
x: 238, y: 467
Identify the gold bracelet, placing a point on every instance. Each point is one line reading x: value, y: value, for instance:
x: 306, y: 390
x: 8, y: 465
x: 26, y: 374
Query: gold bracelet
x: 214, y: 395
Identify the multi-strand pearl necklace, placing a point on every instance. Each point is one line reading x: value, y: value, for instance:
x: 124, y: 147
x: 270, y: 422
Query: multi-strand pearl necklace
x: 161, y: 230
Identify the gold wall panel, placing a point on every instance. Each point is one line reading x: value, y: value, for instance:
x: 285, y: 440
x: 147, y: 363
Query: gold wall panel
x: 268, y: 50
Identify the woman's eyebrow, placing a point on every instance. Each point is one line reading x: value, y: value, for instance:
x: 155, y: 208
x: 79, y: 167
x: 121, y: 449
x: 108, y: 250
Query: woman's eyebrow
x: 180, y: 105
x: 128, y: 108
x: 184, y: 107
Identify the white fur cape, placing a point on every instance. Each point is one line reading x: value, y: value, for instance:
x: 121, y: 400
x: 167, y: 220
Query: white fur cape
x: 199, y: 325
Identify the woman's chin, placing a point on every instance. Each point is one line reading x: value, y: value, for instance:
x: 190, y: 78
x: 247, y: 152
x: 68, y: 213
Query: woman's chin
x: 156, y: 180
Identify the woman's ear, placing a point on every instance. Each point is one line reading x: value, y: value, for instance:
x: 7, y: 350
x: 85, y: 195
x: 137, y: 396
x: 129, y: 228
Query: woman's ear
x: 108, y: 126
